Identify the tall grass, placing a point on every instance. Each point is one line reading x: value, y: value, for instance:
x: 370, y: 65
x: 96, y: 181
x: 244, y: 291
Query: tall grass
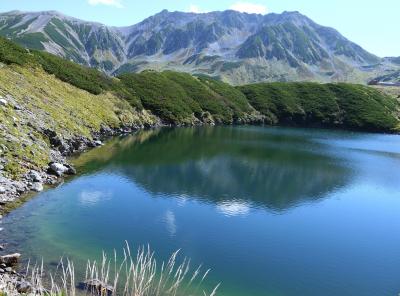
x: 138, y: 274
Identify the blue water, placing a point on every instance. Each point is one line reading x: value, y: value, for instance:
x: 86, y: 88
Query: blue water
x: 272, y: 211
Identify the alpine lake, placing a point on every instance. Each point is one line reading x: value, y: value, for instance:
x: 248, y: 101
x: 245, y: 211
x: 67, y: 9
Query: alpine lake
x: 270, y: 210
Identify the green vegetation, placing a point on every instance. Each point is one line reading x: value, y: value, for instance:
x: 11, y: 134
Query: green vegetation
x: 85, y: 78
x: 11, y: 53
x: 327, y: 105
x: 33, y: 40
x: 163, y: 96
x: 180, y: 98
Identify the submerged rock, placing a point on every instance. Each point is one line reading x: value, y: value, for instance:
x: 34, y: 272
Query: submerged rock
x: 97, y: 287
x: 10, y: 260
x: 23, y: 287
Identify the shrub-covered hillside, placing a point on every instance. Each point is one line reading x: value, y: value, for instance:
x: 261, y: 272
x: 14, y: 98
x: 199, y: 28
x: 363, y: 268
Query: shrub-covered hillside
x: 326, y: 105
x: 180, y: 98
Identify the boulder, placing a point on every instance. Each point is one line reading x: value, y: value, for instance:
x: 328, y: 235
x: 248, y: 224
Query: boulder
x: 57, y: 169
x: 37, y: 187
x: 34, y: 176
x: 3, y: 102
x: 97, y: 287
x: 23, y: 287
x: 2, y: 190
x: 71, y: 171
x: 10, y: 260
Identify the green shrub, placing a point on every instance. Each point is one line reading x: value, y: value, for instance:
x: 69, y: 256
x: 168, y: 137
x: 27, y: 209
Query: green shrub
x: 326, y: 105
x: 11, y: 53
x: 162, y: 96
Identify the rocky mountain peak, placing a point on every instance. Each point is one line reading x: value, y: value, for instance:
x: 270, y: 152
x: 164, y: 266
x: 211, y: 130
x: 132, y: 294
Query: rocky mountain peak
x: 237, y: 47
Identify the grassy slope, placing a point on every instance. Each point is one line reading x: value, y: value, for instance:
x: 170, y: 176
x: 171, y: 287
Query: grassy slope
x: 49, y: 103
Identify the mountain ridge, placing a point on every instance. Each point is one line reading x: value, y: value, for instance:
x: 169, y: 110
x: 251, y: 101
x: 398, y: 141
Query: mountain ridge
x: 232, y: 46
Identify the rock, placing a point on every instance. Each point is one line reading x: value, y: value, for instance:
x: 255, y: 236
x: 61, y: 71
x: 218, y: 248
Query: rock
x: 2, y: 190
x: 37, y: 187
x: 55, y: 141
x: 96, y: 287
x: 10, y: 260
x: 35, y: 176
x: 98, y: 143
x: 1, y: 247
x: 23, y: 287
x: 3, y: 102
x: 2, y: 265
x: 2, y: 270
x: 57, y: 169
x: 64, y: 148
x: 8, y: 269
x: 20, y: 187
x: 70, y: 170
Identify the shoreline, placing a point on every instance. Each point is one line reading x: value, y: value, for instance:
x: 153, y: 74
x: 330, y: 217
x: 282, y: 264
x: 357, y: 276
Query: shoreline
x: 17, y: 192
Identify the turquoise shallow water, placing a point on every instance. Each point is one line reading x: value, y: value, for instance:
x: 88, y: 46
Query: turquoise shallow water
x: 272, y: 211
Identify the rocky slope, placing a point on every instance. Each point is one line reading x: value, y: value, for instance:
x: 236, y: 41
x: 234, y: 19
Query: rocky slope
x: 236, y: 47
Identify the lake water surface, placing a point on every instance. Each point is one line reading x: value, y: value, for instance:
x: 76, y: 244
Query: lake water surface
x: 272, y: 211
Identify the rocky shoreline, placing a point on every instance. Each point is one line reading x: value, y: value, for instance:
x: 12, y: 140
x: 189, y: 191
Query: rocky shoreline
x: 35, y: 180
x: 11, y: 191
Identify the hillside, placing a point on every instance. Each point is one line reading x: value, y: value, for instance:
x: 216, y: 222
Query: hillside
x: 327, y: 105
x: 235, y: 47
x: 51, y: 108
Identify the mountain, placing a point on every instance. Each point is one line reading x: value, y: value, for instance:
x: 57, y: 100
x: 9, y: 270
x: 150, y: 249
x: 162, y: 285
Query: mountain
x: 235, y: 47
x: 51, y: 107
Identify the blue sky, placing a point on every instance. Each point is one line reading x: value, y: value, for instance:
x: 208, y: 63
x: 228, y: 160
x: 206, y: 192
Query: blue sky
x: 372, y: 24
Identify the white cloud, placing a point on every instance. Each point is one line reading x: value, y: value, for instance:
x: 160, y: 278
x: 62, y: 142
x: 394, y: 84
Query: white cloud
x: 249, y: 7
x: 233, y: 208
x: 92, y: 198
x: 195, y: 9
x: 115, y: 3
x: 170, y: 222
